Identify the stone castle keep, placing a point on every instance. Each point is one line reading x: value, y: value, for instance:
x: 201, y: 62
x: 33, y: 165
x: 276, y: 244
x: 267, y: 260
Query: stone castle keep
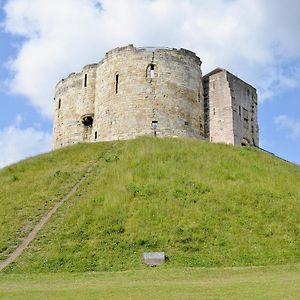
x: 153, y: 91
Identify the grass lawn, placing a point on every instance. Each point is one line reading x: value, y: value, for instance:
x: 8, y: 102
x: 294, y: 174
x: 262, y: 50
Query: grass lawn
x: 30, y: 188
x: 280, y: 282
x: 203, y: 204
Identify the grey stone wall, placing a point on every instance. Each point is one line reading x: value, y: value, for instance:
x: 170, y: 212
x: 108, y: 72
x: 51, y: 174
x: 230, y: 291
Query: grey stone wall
x: 231, y: 109
x: 153, y: 91
x: 73, y: 100
x: 131, y: 92
x: 244, y: 108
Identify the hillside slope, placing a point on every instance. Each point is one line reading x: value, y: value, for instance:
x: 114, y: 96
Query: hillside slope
x: 203, y: 204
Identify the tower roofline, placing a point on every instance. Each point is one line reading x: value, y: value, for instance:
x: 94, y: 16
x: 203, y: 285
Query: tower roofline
x: 218, y: 70
x: 213, y: 72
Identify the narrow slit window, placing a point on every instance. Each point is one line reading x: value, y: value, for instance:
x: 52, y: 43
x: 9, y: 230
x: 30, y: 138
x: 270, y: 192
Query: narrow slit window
x: 85, y: 80
x: 245, y: 118
x: 245, y: 114
x: 59, y: 103
x: 96, y: 135
x: 117, y: 83
x: 151, y: 71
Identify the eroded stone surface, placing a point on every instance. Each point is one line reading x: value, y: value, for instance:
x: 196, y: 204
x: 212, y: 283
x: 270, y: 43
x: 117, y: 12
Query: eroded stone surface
x: 231, y: 109
x: 138, y: 91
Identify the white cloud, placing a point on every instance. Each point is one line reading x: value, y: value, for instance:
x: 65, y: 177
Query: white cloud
x: 289, y: 124
x: 254, y: 39
x: 17, y: 143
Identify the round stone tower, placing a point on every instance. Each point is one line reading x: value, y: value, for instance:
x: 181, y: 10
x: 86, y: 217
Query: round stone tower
x: 131, y: 92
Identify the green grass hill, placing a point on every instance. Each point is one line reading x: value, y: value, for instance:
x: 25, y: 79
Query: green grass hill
x: 203, y: 204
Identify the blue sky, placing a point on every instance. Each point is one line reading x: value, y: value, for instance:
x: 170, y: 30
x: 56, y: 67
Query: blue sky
x: 43, y: 41
x: 13, y: 105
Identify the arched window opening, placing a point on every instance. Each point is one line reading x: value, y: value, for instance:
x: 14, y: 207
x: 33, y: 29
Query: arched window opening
x: 151, y: 71
x: 87, y: 120
x: 245, y: 142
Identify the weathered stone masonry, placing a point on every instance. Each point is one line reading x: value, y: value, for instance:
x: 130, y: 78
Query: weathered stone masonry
x: 153, y: 91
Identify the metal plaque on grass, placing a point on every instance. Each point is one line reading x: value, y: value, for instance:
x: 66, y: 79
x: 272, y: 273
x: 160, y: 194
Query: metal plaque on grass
x: 153, y: 259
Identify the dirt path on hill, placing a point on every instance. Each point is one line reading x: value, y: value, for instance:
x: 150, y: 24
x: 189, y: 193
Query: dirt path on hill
x: 18, y: 251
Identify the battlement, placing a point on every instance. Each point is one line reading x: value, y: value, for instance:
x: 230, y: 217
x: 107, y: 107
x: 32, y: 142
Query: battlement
x: 152, y: 91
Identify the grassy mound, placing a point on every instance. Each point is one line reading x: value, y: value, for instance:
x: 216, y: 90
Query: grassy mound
x: 203, y: 204
x: 28, y: 189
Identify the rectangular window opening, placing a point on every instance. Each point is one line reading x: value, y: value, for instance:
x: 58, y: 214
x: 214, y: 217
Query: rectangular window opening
x: 96, y: 135
x: 117, y: 83
x: 154, y: 126
x: 85, y: 80
x: 59, y: 103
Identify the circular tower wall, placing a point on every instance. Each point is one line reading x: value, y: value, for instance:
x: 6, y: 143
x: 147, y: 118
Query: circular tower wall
x: 131, y: 92
x: 143, y: 91
x: 74, y: 108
